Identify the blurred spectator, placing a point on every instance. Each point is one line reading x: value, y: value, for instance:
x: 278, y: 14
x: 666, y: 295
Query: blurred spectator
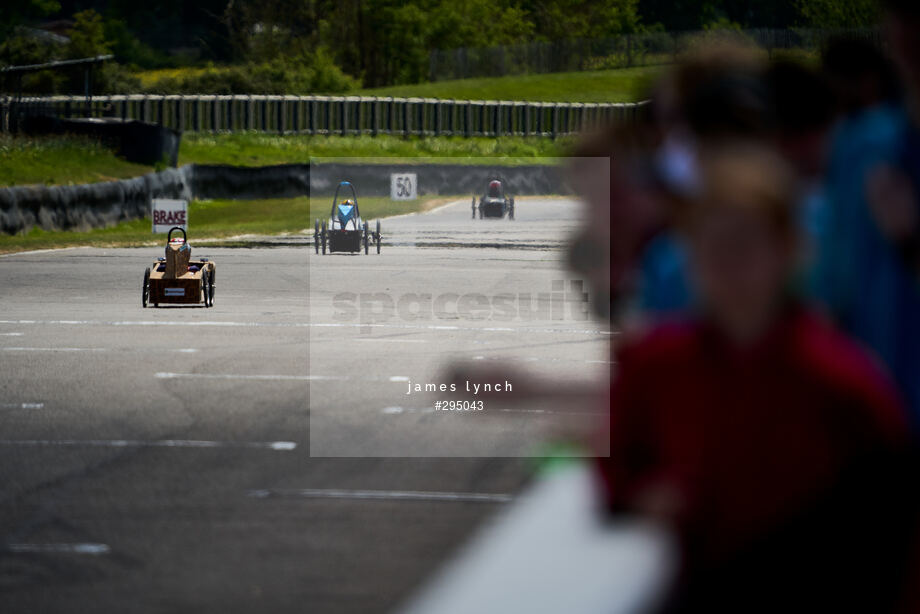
x: 859, y: 73
x: 869, y: 261
x: 765, y: 438
x: 716, y: 93
x: 786, y: 105
x: 804, y: 112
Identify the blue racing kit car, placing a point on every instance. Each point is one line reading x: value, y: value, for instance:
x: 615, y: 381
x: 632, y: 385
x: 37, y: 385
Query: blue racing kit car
x: 345, y: 231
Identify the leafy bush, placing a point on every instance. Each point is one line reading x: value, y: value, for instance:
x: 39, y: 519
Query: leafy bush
x: 315, y: 73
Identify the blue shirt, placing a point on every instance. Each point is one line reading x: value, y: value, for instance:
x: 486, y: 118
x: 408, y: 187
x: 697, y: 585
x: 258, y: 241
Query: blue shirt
x: 860, y: 275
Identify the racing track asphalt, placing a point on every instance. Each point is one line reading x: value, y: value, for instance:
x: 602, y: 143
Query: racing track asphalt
x: 159, y: 460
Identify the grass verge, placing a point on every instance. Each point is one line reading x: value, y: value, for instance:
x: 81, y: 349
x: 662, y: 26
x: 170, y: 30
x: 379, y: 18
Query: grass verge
x: 258, y: 149
x: 66, y: 160
x: 608, y: 85
x: 614, y: 85
x: 60, y: 160
x: 223, y: 221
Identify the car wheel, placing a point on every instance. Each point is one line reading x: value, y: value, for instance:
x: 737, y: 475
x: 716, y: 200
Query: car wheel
x: 204, y: 288
x: 316, y: 236
x: 145, y: 289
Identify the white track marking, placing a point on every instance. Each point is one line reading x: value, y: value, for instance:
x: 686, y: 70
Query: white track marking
x: 23, y: 349
x: 22, y: 405
x: 552, y: 412
x: 503, y: 358
x: 395, y: 409
x: 231, y: 324
x: 59, y: 548
x: 232, y: 376
x: 161, y: 443
x: 43, y: 251
x: 392, y: 495
x: 276, y: 377
x: 10, y: 334
x: 66, y: 349
x: 384, y: 340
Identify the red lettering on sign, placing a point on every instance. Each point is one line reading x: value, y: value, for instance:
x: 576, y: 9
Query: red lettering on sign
x: 173, y: 218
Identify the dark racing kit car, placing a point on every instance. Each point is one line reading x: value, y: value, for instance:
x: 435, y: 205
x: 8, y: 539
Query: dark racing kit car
x: 345, y: 231
x: 494, y: 203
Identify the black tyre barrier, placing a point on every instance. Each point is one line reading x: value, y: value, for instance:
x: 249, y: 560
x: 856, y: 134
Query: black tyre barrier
x: 95, y: 205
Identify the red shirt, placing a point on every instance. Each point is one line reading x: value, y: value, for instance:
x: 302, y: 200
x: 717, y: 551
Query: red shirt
x: 746, y: 437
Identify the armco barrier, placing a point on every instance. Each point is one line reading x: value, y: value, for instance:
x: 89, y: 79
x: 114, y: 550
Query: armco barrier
x: 103, y: 204
x: 344, y: 115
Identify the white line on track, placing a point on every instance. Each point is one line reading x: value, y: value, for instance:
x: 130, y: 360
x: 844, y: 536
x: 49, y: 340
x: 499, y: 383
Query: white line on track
x: 22, y: 405
x: 10, y: 334
x: 275, y: 377
x: 232, y: 376
x: 383, y: 340
x: 502, y: 358
x: 392, y: 495
x: 21, y: 349
x: 59, y: 548
x: 552, y: 412
x: 395, y: 409
x: 232, y: 324
x: 43, y: 251
x: 161, y: 443
x: 66, y: 349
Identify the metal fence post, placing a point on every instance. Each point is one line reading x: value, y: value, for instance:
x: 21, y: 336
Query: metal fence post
x: 407, y: 122
x: 420, y: 108
x: 250, y: 120
x: 281, y: 108
x: 295, y: 118
x: 437, y: 118
x: 375, y: 116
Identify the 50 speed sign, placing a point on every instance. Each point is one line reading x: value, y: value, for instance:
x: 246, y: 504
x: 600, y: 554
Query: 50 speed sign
x: 403, y: 186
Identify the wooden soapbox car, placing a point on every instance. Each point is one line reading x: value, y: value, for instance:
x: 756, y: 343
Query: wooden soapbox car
x: 177, y: 278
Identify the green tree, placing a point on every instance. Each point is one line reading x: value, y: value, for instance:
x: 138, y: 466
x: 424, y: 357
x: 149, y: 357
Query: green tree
x: 837, y: 14
x: 17, y: 12
x: 87, y: 37
x: 568, y: 19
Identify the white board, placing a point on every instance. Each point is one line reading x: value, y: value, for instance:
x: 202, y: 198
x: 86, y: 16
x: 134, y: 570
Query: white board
x: 550, y: 552
x: 168, y: 213
x: 403, y: 186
